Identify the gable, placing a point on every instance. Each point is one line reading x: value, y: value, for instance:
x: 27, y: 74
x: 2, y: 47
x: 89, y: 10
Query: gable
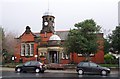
x: 27, y: 37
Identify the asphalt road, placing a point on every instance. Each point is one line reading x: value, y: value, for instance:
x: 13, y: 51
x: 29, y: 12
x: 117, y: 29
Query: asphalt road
x: 9, y: 73
x: 54, y: 74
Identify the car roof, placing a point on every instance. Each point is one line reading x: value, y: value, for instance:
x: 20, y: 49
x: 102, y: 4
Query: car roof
x: 86, y: 61
x: 32, y: 61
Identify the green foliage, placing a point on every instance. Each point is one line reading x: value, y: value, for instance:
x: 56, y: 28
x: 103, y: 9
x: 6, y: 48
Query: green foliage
x: 6, y: 56
x: 109, y: 65
x: 83, y: 39
x: 115, y: 39
x: 109, y: 59
x: 106, y: 46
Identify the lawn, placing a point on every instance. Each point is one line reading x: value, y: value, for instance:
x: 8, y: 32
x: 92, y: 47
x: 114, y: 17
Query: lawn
x: 109, y: 65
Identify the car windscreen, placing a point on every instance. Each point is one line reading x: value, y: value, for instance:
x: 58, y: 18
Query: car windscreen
x: 34, y: 63
x: 27, y: 64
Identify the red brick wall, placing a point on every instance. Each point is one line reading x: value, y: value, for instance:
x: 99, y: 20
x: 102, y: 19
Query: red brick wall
x: 98, y: 58
x: 27, y: 37
x: 23, y: 39
x: 45, y: 39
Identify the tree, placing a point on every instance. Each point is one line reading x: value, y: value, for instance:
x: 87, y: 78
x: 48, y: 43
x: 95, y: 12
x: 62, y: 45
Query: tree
x: 9, y: 42
x: 109, y: 58
x: 115, y: 40
x: 83, y: 40
x: 1, y: 39
x: 106, y: 46
x: 7, y: 45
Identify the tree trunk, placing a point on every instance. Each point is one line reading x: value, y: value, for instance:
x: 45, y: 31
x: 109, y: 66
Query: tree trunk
x: 87, y: 57
x: 72, y: 58
x: 119, y: 66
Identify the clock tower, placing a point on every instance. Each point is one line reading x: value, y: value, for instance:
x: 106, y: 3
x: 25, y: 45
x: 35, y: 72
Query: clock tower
x: 47, y: 23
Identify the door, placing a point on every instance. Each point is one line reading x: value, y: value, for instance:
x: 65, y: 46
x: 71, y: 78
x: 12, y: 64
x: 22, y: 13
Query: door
x: 86, y: 67
x: 94, y: 67
x: 53, y: 56
x: 27, y: 66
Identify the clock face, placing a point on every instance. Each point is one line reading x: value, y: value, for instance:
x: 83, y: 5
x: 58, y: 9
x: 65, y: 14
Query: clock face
x: 45, y: 23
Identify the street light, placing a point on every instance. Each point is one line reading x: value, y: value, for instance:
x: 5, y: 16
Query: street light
x: 36, y: 57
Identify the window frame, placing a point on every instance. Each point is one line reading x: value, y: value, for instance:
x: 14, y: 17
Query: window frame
x: 27, y: 50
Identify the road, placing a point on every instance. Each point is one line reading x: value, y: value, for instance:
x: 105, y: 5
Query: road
x: 57, y: 74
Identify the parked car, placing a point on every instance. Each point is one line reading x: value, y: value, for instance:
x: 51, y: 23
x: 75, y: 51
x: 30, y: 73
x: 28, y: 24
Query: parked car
x: 29, y: 66
x: 90, y: 67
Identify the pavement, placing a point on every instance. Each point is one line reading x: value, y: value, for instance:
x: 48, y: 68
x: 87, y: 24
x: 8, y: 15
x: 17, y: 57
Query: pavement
x: 113, y: 71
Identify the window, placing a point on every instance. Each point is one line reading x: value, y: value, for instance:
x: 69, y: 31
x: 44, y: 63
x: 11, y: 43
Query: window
x: 79, y: 54
x: 50, y: 19
x: 46, y: 19
x: 93, y: 65
x: 42, y: 53
x: 33, y: 63
x: 22, y: 49
x: 27, y: 64
x: 91, y: 55
x: 65, y: 56
x: 80, y: 64
x: 27, y: 49
x: 32, y: 50
x: 85, y: 64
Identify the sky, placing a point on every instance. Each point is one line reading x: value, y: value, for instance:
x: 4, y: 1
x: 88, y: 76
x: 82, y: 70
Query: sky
x: 15, y: 15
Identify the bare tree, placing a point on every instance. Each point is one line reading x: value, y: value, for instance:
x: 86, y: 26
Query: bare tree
x: 9, y: 42
x: 1, y: 35
x: 8, y: 45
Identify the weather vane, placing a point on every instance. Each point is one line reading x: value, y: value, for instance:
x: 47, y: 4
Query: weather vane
x: 48, y: 6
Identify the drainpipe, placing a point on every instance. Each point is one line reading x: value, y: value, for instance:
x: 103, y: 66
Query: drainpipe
x: 119, y: 65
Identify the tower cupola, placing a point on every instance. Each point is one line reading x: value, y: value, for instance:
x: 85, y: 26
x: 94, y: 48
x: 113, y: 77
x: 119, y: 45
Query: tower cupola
x: 48, y: 23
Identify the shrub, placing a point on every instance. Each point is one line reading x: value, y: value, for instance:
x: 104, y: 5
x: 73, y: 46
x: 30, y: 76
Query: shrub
x: 109, y: 59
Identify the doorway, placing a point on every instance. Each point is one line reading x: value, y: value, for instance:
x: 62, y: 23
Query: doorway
x: 53, y: 56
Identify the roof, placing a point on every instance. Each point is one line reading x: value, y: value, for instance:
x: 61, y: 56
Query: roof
x: 37, y: 34
x: 62, y: 34
x: 47, y: 13
x: 54, y: 37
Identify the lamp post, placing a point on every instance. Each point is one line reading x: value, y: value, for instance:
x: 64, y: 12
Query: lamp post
x: 13, y: 58
x: 36, y: 57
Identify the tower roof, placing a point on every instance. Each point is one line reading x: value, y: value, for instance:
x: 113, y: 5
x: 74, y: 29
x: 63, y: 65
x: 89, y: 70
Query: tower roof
x: 54, y: 38
x: 47, y: 13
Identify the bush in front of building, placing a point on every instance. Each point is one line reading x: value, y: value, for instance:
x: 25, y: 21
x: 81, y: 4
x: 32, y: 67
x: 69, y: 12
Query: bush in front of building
x: 110, y: 59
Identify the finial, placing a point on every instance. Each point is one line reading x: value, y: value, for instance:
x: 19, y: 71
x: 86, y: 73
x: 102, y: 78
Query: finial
x: 48, y: 9
x: 48, y: 5
x: 27, y: 30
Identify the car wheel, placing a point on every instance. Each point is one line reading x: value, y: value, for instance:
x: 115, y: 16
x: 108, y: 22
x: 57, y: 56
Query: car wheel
x: 103, y: 72
x: 80, y: 72
x: 18, y: 70
x: 37, y: 70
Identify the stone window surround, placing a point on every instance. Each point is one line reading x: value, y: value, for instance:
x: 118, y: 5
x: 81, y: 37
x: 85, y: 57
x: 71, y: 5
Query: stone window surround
x: 24, y: 51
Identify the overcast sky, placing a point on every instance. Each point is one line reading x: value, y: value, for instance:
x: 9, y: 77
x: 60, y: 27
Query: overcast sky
x: 15, y: 15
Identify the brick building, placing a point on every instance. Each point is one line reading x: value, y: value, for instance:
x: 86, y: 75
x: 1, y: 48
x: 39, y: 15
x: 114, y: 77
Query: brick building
x: 46, y: 46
